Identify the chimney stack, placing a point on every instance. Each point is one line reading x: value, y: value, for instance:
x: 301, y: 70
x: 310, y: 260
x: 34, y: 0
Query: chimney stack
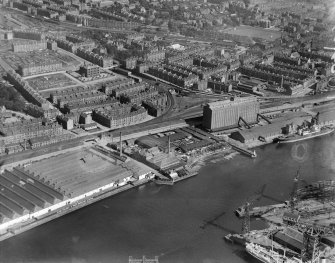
x: 120, y: 144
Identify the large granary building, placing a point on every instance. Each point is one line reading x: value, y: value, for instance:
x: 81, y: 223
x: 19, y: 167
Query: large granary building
x: 227, y: 114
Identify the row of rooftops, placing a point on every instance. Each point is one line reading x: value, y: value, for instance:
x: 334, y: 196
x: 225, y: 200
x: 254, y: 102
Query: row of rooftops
x: 25, y: 85
x: 29, y: 122
x: 232, y: 101
x: 116, y: 108
x: 112, y: 115
x: 20, y: 127
x: 109, y: 14
x: 281, y: 70
x: 117, y: 82
x: 81, y: 96
x: 195, y: 69
x: 140, y: 95
x: 279, y: 76
x: 132, y: 87
x: 302, y: 55
x: 293, y: 67
x: 83, y: 51
x: 160, y: 69
x: 186, y: 52
x: 28, y: 32
x: 73, y: 90
x: 152, y: 101
x: 93, y: 103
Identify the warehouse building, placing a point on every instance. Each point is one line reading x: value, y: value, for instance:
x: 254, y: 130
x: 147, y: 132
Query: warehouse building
x: 227, y: 114
x: 270, y: 131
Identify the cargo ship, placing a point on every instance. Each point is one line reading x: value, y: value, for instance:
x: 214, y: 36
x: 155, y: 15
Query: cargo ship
x: 305, y: 134
x: 268, y: 255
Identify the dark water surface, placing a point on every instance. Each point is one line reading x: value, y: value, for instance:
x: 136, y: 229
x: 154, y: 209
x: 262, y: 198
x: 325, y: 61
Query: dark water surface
x: 165, y: 221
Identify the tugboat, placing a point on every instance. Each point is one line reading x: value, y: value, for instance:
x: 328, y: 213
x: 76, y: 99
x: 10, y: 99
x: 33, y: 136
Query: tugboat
x: 305, y: 131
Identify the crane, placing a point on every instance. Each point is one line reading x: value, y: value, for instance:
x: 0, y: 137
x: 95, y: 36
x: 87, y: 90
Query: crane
x: 246, y: 219
x: 315, y: 119
x: 294, y: 192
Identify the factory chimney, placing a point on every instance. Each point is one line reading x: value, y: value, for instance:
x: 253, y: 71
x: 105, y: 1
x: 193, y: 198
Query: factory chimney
x: 282, y: 82
x: 120, y: 144
x: 169, y: 145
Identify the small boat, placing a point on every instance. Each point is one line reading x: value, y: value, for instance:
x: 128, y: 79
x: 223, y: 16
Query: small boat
x: 174, y: 177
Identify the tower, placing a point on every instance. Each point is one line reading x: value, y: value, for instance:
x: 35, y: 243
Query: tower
x: 169, y: 145
x: 294, y: 194
x: 310, y: 252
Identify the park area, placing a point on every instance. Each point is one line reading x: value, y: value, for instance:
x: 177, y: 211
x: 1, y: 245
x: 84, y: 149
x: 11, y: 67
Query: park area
x: 254, y: 32
x: 51, y: 81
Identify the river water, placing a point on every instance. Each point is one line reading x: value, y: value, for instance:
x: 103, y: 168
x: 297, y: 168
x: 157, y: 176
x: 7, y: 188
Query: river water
x: 165, y: 221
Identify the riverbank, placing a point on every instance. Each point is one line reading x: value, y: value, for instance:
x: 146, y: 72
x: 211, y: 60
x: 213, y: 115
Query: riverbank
x: 36, y: 221
x: 166, y: 221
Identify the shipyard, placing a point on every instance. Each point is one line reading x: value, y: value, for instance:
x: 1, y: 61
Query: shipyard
x: 195, y: 107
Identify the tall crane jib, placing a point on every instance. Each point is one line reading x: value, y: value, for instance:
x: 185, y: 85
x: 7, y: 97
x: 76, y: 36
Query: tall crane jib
x: 315, y: 119
x: 294, y: 193
x: 246, y: 219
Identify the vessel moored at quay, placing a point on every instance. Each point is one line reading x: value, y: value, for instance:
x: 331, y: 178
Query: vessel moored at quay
x: 268, y: 255
x: 305, y: 135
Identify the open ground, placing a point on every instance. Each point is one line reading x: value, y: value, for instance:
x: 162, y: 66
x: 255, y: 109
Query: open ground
x: 254, y: 32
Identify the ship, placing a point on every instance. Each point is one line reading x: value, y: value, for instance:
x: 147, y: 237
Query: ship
x: 268, y: 255
x: 174, y: 177
x: 307, y: 130
x: 304, y: 134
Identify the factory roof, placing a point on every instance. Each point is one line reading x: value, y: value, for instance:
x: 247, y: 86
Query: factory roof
x: 327, y: 116
x: 275, y: 127
x: 289, y: 240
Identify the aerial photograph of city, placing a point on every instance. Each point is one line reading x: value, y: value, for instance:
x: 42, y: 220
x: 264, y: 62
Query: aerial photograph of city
x: 167, y: 131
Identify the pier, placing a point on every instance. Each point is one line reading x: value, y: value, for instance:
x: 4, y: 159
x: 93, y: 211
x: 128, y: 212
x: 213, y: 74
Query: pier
x: 241, y: 149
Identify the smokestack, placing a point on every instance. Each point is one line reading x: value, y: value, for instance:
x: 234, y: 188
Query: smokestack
x: 169, y: 145
x: 282, y: 81
x: 120, y: 143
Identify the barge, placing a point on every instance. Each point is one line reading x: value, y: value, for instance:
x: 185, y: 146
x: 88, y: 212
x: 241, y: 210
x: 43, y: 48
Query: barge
x: 174, y: 177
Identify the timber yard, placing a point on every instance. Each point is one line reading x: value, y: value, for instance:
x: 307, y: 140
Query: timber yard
x: 99, y: 97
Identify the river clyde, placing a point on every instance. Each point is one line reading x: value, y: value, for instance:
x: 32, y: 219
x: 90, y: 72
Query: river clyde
x: 166, y: 221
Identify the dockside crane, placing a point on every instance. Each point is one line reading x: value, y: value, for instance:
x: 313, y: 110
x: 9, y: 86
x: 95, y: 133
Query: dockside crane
x: 294, y: 192
x: 315, y: 119
x: 245, y: 212
x: 246, y: 219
